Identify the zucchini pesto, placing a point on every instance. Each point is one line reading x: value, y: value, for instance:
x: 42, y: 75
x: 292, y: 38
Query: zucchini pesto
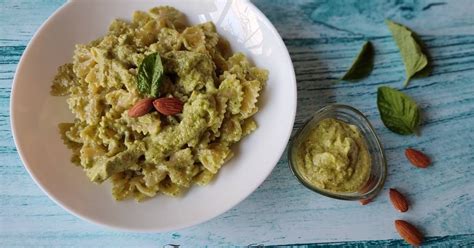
x: 154, y: 153
x: 334, y: 156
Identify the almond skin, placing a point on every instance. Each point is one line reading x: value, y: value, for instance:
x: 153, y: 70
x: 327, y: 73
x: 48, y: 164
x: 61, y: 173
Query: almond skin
x: 399, y: 201
x: 368, y: 186
x: 409, y: 233
x: 141, y: 107
x: 168, y: 105
x: 417, y: 158
x: 364, y: 202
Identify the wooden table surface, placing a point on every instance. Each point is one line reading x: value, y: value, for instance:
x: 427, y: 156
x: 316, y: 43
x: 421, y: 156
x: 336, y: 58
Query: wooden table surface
x: 323, y: 37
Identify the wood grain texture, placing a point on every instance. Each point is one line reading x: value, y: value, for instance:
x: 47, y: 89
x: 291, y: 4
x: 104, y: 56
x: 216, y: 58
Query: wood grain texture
x: 322, y: 37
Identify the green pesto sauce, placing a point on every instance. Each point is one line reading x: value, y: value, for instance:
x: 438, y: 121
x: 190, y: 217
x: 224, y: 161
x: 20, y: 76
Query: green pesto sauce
x: 334, y: 156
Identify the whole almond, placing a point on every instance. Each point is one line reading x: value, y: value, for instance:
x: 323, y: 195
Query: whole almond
x: 366, y: 201
x: 417, y: 158
x: 141, y: 108
x: 409, y: 233
x: 168, y: 105
x: 399, y: 201
x: 367, y: 186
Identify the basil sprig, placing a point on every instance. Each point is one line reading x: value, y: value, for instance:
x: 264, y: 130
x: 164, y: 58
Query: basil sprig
x: 399, y: 112
x: 362, y: 64
x: 150, y: 73
x: 410, y: 49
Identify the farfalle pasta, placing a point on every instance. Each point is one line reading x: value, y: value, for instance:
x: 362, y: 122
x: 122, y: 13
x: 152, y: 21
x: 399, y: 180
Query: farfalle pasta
x: 151, y: 154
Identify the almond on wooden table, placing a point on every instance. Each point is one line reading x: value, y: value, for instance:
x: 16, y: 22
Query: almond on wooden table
x: 417, y: 158
x: 168, y: 105
x: 398, y: 200
x: 366, y: 201
x: 409, y: 232
x: 141, y: 107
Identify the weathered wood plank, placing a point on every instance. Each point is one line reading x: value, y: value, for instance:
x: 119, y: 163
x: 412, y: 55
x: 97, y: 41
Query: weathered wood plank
x: 358, y: 18
x: 21, y: 18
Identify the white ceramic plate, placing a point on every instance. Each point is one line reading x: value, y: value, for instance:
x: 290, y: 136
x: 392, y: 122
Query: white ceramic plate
x: 35, y: 115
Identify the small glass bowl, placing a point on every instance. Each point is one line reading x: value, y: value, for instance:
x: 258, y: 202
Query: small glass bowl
x: 352, y: 116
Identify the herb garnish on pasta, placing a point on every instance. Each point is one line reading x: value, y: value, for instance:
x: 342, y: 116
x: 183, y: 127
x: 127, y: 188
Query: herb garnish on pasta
x: 155, y: 153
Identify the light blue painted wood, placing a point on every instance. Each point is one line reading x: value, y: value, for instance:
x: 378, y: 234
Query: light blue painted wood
x: 323, y: 37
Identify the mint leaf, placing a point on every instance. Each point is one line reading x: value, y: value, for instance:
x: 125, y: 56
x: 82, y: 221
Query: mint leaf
x: 398, y: 111
x: 362, y: 65
x: 149, y: 75
x: 411, y: 51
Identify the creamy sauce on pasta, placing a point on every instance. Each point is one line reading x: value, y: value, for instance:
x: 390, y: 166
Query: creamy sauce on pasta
x: 153, y: 153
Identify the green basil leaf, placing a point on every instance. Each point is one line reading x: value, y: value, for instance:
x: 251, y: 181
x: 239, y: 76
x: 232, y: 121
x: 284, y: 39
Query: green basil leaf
x: 399, y: 112
x: 149, y: 75
x: 362, y: 65
x: 428, y: 68
x: 410, y: 49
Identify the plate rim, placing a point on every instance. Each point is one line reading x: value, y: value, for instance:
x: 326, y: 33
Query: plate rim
x: 72, y: 210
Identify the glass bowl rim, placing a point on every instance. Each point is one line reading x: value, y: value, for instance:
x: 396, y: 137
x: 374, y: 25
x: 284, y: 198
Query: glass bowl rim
x: 378, y: 147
